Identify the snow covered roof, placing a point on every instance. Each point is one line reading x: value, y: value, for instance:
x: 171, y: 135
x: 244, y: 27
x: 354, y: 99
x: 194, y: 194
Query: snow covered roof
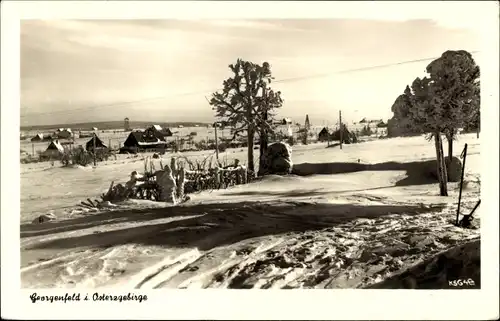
x: 140, y: 139
x: 55, y: 145
x: 157, y: 127
x: 151, y: 143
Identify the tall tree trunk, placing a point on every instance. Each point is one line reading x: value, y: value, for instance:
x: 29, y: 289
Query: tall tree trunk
x: 450, y: 149
x: 444, y: 166
x: 250, y: 137
x: 263, y: 143
x: 441, y: 172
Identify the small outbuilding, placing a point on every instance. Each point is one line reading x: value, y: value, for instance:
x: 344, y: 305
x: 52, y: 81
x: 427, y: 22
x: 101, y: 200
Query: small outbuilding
x: 98, y: 144
x: 54, y: 148
x: 64, y: 133
x: 37, y: 138
x: 347, y: 136
x: 324, y: 135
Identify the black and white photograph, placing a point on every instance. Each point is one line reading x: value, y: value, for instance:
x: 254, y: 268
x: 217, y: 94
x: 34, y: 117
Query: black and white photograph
x: 253, y: 153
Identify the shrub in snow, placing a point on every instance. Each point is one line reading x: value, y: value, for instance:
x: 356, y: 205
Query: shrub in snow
x: 277, y: 160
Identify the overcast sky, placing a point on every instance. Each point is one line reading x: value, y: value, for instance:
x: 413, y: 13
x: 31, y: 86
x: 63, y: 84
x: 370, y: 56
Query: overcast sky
x: 82, y: 70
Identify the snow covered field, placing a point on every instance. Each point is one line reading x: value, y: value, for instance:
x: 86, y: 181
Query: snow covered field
x: 321, y: 231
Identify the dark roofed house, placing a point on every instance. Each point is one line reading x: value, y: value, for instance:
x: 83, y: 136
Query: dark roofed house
x: 143, y: 141
x: 55, y: 148
x: 381, y: 124
x: 63, y: 133
x: 286, y: 121
x: 158, y: 131
x: 324, y: 135
x: 98, y: 144
x: 37, y: 138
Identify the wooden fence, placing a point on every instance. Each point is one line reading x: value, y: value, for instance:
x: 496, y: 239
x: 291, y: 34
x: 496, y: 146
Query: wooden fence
x: 215, y: 178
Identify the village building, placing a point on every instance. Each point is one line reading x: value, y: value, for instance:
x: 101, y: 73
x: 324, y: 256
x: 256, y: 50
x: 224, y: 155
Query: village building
x: 37, y: 138
x: 41, y: 138
x: 138, y: 141
x: 98, y: 144
x: 63, y: 133
x: 54, y: 149
x: 286, y: 121
x: 126, y: 124
x: 284, y: 127
x: 158, y: 132
x: 347, y: 136
x: 324, y: 135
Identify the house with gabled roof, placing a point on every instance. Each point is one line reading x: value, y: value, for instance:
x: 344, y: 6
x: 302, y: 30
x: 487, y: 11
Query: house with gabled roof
x: 143, y: 141
x: 324, y: 135
x: 55, y: 148
x: 98, y: 144
x: 37, y: 138
x: 158, y: 131
x: 63, y: 133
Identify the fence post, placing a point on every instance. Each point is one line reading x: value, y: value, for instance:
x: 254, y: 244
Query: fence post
x: 217, y: 176
x: 237, y: 172
x: 244, y: 175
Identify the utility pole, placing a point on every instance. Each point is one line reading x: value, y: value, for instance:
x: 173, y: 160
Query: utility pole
x: 216, y: 144
x: 93, y: 143
x: 340, y: 125
x: 327, y: 137
x: 32, y: 149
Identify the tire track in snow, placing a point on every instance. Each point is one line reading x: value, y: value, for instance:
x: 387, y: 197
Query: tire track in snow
x: 170, y: 265
x: 59, y: 258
